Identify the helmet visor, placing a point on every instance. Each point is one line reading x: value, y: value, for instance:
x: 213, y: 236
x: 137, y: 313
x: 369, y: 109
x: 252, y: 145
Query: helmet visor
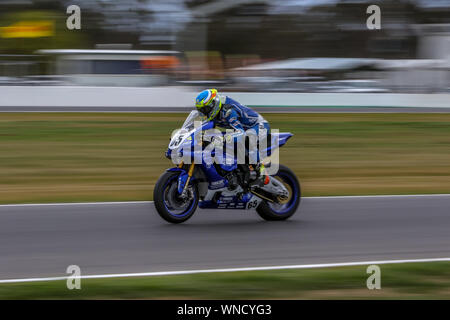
x: 206, y: 110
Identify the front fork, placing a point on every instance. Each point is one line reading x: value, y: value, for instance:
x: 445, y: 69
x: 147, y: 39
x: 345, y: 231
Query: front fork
x: 183, y: 180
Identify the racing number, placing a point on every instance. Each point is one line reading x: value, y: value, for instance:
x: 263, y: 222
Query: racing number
x: 252, y: 204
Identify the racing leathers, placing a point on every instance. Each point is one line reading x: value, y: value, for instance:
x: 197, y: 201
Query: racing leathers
x: 240, y: 118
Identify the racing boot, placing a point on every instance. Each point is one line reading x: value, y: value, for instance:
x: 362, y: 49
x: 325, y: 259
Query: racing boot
x: 261, y: 179
x: 262, y: 174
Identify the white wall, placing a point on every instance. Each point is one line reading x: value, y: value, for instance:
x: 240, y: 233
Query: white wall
x: 67, y: 96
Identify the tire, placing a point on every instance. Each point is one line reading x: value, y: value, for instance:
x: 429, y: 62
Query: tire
x: 164, y: 187
x: 270, y: 212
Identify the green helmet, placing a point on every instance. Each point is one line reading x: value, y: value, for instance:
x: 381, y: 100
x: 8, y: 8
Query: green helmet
x: 208, y: 102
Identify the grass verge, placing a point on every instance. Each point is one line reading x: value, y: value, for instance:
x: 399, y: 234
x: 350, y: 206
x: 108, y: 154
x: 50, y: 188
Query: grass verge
x: 68, y: 157
x: 398, y: 281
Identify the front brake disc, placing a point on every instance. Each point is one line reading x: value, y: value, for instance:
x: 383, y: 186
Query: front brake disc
x: 282, y: 199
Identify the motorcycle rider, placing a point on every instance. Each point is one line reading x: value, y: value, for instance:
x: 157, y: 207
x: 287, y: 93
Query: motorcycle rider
x: 230, y: 114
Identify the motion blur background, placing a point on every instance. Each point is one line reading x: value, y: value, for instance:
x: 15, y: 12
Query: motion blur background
x: 276, y: 56
x: 369, y: 111
x: 239, y: 45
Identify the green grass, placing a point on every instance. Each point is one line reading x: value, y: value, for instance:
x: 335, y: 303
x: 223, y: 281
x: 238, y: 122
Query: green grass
x: 48, y: 157
x: 398, y: 281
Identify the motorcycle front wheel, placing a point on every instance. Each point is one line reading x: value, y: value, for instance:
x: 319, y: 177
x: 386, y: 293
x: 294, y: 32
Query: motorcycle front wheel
x: 168, y: 203
x: 281, y: 211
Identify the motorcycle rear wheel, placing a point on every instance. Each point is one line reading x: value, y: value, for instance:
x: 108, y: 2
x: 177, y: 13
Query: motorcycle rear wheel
x: 275, y: 212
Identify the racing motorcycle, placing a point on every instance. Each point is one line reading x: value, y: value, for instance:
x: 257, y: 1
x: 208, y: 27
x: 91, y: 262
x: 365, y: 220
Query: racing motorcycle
x: 230, y: 185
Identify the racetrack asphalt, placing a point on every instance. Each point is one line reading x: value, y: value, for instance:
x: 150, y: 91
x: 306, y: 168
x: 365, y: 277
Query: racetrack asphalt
x: 104, y: 238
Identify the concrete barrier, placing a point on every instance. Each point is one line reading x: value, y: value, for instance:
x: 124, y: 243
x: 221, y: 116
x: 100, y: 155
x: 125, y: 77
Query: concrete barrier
x: 345, y: 99
x: 70, y: 96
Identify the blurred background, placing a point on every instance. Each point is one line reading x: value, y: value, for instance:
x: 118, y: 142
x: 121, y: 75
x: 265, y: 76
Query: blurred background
x: 369, y: 110
x: 239, y: 45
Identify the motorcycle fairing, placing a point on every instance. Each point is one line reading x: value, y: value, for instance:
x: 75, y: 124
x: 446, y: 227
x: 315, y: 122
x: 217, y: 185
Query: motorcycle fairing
x: 208, y: 174
x: 248, y: 201
x: 182, y: 178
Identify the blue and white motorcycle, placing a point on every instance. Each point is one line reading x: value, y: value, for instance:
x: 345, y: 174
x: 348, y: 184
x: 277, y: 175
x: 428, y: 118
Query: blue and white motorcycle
x: 180, y: 190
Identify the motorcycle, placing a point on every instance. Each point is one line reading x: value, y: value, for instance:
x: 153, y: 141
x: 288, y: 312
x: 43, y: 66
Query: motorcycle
x: 181, y: 189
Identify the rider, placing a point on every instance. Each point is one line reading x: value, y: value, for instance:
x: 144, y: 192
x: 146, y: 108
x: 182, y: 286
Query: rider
x: 230, y: 114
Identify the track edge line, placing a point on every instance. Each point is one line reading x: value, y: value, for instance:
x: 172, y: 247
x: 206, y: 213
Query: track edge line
x: 184, y: 272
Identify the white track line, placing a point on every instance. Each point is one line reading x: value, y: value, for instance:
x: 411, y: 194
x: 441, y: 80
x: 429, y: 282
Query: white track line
x: 171, y: 273
x: 146, y: 202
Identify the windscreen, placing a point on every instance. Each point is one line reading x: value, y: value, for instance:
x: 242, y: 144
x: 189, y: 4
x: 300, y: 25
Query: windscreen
x: 191, y: 118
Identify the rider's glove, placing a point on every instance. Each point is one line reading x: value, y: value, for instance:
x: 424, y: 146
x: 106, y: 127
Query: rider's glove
x: 217, y: 141
x: 236, y: 135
